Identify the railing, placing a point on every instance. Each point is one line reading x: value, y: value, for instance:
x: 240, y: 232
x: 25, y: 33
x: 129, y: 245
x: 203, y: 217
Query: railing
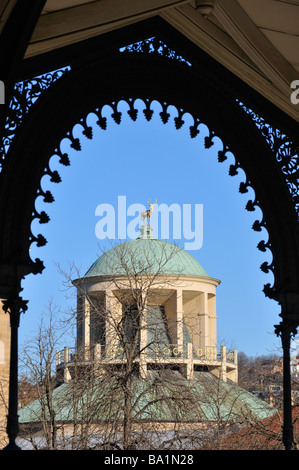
x: 231, y: 356
x: 166, y: 351
x: 74, y: 355
x: 208, y: 353
x: 151, y: 352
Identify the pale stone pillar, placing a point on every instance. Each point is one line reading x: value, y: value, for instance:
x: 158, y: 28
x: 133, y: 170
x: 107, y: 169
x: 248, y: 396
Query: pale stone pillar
x: 179, y: 318
x: 235, y: 357
x: 109, y: 322
x: 212, y: 319
x: 113, y: 316
x: 143, y: 344
x: 66, y: 354
x: 235, y: 377
x: 190, y: 368
x: 58, y: 358
x: 204, y: 323
x: 223, y: 375
x: 66, y: 375
x: 86, y: 326
x: 97, y: 352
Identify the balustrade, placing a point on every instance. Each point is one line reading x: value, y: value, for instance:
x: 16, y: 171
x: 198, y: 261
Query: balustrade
x: 152, y: 352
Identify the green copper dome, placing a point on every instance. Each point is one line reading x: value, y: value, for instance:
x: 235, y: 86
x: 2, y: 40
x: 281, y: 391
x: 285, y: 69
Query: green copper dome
x: 146, y: 255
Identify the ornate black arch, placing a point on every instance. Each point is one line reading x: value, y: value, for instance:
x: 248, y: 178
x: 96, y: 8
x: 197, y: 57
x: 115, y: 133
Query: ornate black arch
x: 196, y: 90
x: 127, y: 77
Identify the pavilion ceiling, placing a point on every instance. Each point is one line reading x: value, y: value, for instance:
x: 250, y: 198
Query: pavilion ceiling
x: 256, y: 40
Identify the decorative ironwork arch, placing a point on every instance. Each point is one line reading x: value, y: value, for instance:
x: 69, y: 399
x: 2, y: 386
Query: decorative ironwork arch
x: 54, y: 116
x: 194, y: 90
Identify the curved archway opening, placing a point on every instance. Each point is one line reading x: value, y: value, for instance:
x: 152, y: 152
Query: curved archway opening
x: 144, y: 160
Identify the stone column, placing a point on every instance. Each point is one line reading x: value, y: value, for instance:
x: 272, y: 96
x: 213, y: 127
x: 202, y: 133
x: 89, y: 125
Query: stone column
x: 212, y: 320
x: 223, y: 375
x: 190, y: 368
x: 236, y: 378
x: 58, y: 358
x: 179, y: 319
x: 108, y: 321
x: 143, y: 345
x: 204, y: 323
x: 113, y: 315
x: 97, y: 352
x: 66, y: 354
x: 66, y: 375
x: 86, y: 327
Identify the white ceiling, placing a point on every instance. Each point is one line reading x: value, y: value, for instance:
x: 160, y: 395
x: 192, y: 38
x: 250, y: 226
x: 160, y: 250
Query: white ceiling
x: 258, y: 40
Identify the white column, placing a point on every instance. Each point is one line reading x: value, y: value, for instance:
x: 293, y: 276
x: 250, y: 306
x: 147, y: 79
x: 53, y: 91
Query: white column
x: 235, y: 374
x: 190, y: 368
x: 113, y: 316
x: 204, y: 322
x: 58, y: 358
x: 235, y: 357
x: 97, y: 352
x: 109, y: 321
x: 66, y: 353
x: 66, y: 375
x: 179, y: 318
x: 86, y: 325
x: 212, y: 320
x: 143, y: 345
x: 223, y: 375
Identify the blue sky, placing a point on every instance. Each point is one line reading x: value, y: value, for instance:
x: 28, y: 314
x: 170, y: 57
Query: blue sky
x: 146, y: 160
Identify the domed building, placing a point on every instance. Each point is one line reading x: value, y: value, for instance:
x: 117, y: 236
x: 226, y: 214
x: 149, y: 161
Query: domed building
x: 146, y: 354
x: 179, y: 319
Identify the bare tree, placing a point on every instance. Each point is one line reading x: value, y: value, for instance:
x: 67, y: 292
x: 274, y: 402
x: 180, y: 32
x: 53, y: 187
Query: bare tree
x: 125, y: 387
x: 134, y: 326
x: 4, y: 384
x: 37, y: 368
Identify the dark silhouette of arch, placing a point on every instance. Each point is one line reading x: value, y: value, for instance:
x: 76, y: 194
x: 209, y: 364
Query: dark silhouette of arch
x: 68, y: 102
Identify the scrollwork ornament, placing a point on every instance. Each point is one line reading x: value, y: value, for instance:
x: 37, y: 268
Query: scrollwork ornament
x: 15, y: 306
x: 286, y: 331
x: 157, y: 47
x: 24, y: 96
x: 285, y: 152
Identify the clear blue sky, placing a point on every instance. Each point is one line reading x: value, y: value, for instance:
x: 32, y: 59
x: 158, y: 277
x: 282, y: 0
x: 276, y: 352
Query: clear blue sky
x: 142, y: 160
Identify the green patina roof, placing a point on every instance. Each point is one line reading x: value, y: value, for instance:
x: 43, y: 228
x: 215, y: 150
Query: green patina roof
x: 176, y: 399
x: 146, y: 255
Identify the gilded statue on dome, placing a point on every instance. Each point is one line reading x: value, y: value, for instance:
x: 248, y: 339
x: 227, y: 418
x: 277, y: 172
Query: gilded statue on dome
x: 146, y: 215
